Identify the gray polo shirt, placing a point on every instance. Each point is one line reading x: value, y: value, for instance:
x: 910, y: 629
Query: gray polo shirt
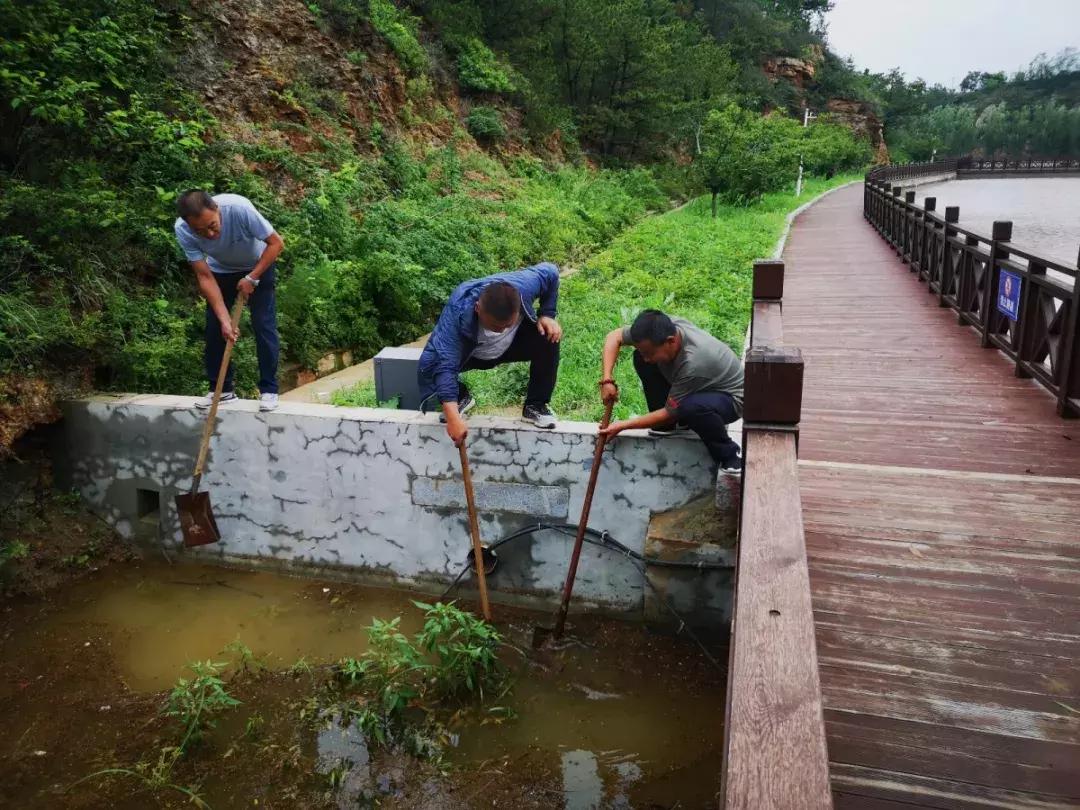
x: 242, y: 240
x: 703, y: 364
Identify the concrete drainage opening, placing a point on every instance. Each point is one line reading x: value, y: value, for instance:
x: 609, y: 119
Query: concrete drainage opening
x: 148, y: 507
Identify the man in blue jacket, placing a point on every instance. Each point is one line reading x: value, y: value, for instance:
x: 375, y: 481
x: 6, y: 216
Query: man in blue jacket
x: 488, y: 322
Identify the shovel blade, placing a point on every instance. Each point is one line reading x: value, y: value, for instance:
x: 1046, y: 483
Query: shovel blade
x: 197, y: 519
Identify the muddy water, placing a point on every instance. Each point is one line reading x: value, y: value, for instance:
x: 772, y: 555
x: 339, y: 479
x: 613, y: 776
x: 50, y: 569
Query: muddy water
x: 617, y: 718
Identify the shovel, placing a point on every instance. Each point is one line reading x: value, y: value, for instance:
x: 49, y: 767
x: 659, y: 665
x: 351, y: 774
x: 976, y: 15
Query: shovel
x: 541, y: 634
x: 196, y: 517
x: 474, y: 527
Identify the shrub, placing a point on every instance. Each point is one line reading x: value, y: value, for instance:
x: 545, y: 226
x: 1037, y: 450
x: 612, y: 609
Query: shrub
x: 830, y: 148
x: 485, y: 124
x: 399, y: 29
x: 479, y: 69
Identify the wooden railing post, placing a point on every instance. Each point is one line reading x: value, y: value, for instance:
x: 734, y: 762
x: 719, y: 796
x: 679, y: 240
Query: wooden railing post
x: 948, y: 271
x: 929, y: 243
x: 1000, y: 236
x: 1027, y: 319
x: 1068, y: 403
x: 911, y: 224
x: 894, y: 230
x: 775, y: 755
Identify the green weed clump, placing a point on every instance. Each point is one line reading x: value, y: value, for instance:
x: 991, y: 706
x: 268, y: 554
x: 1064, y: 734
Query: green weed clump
x: 485, y: 124
x: 394, y: 690
x: 196, y: 703
x: 479, y: 69
x: 399, y: 28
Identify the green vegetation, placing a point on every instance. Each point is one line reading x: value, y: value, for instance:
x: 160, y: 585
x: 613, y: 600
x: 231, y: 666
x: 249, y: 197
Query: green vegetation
x: 1034, y: 111
x: 391, y: 691
x: 400, y: 30
x: 196, y: 703
x: 479, y: 69
x: 485, y: 124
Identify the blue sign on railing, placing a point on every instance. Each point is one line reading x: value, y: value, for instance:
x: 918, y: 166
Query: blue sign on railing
x: 1008, y: 301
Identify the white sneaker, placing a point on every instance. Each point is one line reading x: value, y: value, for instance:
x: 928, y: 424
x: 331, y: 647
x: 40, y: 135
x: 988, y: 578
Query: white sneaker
x: 268, y: 402
x: 208, y: 400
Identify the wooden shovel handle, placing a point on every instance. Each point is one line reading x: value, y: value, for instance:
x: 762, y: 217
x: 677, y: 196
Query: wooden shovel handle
x: 208, y: 428
x: 474, y: 528
x: 583, y: 523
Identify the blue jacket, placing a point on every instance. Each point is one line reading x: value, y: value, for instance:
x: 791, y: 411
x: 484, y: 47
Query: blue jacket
x: 454, y: 338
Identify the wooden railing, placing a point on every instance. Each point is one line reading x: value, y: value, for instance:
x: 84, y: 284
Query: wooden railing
x: 1036, y: 326
x: 973, y: 166
x: 774, y: 738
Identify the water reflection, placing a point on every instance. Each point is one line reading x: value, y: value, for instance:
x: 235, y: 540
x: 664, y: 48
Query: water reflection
x: 342, y: 751
x: 592, y: 782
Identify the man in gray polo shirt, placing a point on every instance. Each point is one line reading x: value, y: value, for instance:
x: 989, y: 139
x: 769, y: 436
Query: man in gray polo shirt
x: 690, y: 378
x: 232, y: 248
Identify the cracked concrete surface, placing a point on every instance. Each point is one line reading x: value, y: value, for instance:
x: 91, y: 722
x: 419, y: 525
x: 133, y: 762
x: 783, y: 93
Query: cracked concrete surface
x: 379, y: 491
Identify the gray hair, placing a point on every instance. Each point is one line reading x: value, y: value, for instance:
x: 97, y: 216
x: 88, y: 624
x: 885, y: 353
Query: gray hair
x: 194, y: 202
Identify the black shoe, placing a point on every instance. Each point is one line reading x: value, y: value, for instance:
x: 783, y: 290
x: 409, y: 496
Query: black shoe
x: 540, y: 415
x: 677, y: 430
x: 464, y: 405
x: 734, y: 465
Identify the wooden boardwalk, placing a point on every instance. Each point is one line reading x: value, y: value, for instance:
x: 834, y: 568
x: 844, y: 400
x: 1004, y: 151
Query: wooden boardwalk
x: 941, y: 500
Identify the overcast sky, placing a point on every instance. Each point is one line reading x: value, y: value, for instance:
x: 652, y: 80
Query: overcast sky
x: 941, y: 40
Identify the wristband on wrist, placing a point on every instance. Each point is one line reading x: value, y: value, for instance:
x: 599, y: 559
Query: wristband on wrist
x: 609, y: 382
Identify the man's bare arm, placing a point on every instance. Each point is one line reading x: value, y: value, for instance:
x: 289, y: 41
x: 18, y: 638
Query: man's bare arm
x: 274, y: 246
x: 612, y: 344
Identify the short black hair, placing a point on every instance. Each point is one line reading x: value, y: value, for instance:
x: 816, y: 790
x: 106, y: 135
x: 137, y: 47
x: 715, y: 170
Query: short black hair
x: 652, y: 325
x: 500, y: 300
x: 193, y: 202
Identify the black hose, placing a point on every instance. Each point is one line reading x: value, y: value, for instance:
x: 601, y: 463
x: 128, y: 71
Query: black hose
x: 639, y: 561
x: 605, y: 540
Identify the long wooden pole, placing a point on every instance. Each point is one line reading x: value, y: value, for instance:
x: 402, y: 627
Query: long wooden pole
x: 583, y: 524
x: 474, y: 528
x: 208, y: 428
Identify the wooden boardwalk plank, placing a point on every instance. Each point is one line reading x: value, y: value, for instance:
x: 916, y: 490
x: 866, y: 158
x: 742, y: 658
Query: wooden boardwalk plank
x: 941, y: 500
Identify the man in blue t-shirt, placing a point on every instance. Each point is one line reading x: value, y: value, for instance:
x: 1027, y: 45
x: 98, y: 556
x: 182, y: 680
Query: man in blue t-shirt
x: 232, y: 248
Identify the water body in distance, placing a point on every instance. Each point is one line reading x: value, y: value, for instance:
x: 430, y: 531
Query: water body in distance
x: 1045, y: 211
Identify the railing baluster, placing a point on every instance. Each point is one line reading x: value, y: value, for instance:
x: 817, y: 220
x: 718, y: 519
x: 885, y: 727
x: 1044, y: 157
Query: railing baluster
x: 949, y: 269
x: 1069, y: 391
x: 1000, y: 236
x: 929, y: 243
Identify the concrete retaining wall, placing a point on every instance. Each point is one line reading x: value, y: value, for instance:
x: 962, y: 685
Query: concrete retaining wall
x: 377, y: 493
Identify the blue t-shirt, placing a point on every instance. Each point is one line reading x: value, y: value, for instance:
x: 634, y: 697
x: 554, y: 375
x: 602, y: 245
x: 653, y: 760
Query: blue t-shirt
x: 239, y: 245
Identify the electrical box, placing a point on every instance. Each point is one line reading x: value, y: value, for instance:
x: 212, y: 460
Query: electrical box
x: 395, y: 376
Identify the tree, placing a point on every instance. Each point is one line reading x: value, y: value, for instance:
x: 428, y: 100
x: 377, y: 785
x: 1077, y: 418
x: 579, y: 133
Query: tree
x: 745, y: 154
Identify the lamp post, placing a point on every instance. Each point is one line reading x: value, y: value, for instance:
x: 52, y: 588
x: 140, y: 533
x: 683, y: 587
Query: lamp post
x: 807, y: 116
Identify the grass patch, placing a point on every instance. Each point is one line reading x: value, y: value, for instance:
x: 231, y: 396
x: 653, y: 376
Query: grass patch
x: 683, y: 262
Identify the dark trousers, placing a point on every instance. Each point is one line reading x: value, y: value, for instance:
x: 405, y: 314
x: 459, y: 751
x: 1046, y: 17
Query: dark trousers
x: 529, y: 346
x: 263, y: 311
x: 707, y: 413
